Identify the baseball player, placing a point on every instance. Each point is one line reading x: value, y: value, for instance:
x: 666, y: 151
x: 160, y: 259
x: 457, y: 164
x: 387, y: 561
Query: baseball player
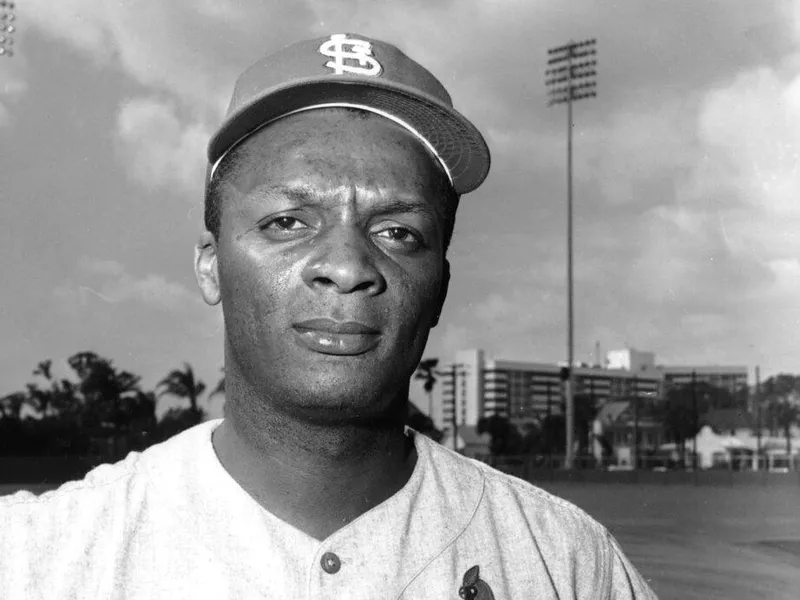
x: 331, y: 195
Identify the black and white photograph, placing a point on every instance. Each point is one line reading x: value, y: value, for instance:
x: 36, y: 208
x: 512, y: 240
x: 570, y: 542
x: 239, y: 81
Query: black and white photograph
x: 400, y: 299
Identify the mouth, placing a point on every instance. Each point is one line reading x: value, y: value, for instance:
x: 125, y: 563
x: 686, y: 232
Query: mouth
x: 338, y: 338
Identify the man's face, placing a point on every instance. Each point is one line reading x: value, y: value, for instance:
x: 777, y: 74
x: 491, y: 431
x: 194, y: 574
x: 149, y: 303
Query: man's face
x: 330, y: 263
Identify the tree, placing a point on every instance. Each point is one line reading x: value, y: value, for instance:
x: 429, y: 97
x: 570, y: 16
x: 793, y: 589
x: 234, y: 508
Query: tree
x: 38, y: 399
x: 107, y: 393
x: 419, y: 421
x: 142, y: 420
x: 680, y: 416
x: 782, y: 394
x: 11, y: 405
x: 183, y: 384
x: 784, y: 415
x: 108, y: 404
x: 506, y: 438
x: 220, y: 389
x: 426, y: 371
x: 553, y: 434
x: 97, y: 404
x: 585, y: 412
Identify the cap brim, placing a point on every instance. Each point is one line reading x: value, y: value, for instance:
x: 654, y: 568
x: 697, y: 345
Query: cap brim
x: 457, y: 141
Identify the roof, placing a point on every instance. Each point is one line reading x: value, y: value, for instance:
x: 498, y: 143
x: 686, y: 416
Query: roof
x: 728, y: 419
x: 703, y: 370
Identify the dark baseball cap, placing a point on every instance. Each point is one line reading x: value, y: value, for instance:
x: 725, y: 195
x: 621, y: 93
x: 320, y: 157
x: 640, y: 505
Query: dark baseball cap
x: 352, y: 70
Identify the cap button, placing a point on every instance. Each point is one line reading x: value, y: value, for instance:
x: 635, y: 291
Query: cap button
x: 330, y: 563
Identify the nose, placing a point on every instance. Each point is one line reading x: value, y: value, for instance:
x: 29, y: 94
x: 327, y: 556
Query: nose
x: 342, y: 261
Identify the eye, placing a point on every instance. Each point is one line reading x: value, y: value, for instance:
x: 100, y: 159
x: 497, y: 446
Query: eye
x: 400, y: 236
x: 283, y: 228
x: 285, y: 224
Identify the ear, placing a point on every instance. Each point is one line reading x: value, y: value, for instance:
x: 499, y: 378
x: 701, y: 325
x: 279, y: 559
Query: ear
x: 445, y: 285
x: 206, y: 268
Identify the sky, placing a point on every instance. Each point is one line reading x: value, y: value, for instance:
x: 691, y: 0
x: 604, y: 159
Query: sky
x: 686, y: 212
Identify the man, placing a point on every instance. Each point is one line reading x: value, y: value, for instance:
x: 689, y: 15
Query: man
x: 331, y: 196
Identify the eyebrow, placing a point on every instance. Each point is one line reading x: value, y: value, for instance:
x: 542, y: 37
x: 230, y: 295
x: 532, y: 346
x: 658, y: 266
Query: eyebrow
x: 308, y: 196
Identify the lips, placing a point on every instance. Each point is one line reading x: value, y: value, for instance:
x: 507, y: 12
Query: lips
x: 348, y: 338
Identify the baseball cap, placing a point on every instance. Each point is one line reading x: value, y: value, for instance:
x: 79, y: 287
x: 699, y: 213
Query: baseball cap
x: 352, y: 70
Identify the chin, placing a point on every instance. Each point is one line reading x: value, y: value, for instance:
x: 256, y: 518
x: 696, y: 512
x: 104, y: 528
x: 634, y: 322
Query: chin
x: 336, y: 405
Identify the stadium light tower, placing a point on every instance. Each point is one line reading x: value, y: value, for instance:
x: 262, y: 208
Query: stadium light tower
x: 7, y: 28
x: 570, y: 77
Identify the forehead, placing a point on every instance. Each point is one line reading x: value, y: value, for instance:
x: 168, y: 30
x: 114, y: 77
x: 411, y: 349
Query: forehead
x: 335, y: 147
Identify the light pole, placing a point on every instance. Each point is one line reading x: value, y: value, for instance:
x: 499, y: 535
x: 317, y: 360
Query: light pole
x: 570, y: 77
x: 7, y: 28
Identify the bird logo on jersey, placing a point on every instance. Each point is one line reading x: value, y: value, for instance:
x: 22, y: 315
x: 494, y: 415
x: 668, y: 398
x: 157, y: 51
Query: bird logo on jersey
x: 475, y: 588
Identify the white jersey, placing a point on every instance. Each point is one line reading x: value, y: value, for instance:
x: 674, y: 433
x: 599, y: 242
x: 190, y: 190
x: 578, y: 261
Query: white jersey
x: 170, y: 523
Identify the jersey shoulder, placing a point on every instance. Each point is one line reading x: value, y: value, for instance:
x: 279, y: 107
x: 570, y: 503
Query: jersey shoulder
x: 516, y: 498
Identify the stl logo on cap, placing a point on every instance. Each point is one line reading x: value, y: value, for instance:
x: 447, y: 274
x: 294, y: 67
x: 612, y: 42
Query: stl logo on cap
x: 342, y: 48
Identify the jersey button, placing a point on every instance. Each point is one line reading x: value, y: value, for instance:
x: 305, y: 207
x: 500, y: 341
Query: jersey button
x: 331, y: 563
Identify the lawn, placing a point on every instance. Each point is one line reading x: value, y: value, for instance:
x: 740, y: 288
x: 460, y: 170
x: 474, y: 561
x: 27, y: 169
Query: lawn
x: 731, y: 542
x: 691, y: 542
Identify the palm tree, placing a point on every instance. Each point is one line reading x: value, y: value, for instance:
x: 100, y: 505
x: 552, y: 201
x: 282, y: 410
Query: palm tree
x: 39, y: 399
x: 785, y: 414
x: 426, y: 371
x: 11, y: 405
x: 219, y: 390
x: 44, y: 369
x: 183, y: 384
x: 42, y: 400
x: 782, y: 409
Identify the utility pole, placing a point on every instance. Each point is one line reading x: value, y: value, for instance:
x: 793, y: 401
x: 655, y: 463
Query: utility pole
x: 7, y: 28
x: 455, y: 407
x: 635, y: 423
x: 570, y: 77
x: 695, y: 420
x: 758, y: 418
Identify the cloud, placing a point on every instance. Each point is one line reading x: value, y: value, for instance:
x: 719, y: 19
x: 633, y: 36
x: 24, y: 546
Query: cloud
x: 686, y: 225
x: 109, y: 282
x: 187, y: 53
x: 686, y: 163
x: 189, y: 49
x: 160, y: 150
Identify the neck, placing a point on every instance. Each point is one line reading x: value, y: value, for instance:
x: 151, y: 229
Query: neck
x: 316, y: 477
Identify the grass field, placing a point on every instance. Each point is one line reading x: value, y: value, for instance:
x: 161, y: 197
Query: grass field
x: 731, y: 542
x: 693, y: 542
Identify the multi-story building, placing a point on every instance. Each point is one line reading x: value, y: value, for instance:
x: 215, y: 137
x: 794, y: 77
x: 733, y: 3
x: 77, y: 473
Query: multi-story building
x: 474, y: 386
x: 732, y: 379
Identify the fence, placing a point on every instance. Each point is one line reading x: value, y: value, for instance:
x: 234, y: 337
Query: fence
x: 59, y: 469
x: 587, y: 470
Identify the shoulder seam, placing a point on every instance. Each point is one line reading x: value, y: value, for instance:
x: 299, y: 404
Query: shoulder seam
x: 529, y: 488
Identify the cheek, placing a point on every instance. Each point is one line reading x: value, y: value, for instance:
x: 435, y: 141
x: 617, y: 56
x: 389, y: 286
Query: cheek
x: 418, y: 303
x: 253, y: 291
